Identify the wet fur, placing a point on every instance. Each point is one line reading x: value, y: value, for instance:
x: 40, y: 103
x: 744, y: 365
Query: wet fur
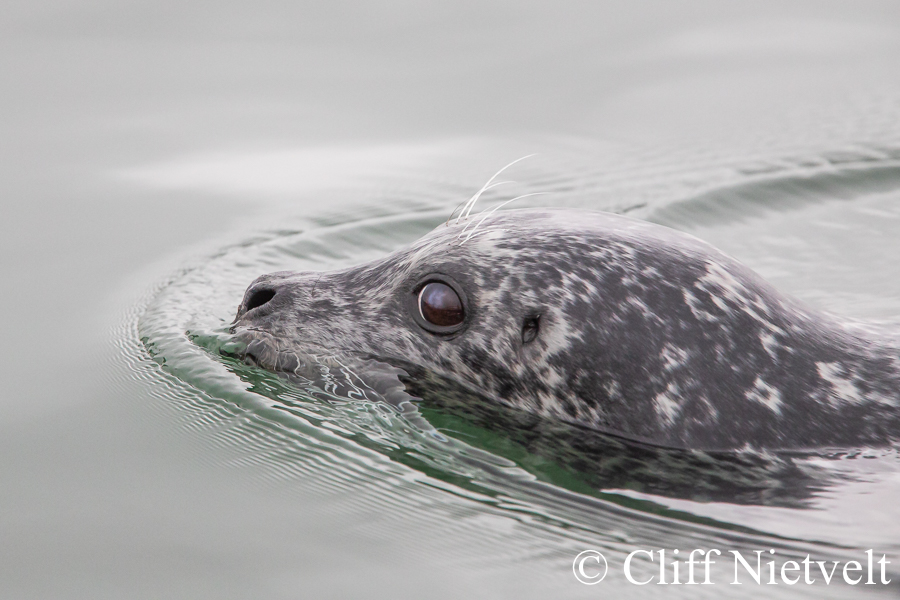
x: 644, y: 332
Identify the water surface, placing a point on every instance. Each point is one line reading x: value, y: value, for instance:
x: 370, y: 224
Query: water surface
x: 157, y: 162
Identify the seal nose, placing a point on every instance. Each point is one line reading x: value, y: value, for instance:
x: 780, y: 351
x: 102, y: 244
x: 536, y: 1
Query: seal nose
x: 265, y: 296
x: 259, y: 297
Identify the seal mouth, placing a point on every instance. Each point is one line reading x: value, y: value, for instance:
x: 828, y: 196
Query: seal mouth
x: 261, y: 349
x: 258, y: 349
x: 259, y: 353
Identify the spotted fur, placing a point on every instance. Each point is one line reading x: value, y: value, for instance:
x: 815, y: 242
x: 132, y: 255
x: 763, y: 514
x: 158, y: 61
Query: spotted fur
x: 644, y: 332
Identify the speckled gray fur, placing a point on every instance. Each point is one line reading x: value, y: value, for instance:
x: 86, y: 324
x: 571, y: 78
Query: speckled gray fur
x: 645, y: 332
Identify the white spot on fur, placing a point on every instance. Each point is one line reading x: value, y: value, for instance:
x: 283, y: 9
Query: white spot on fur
x: 766, y: 395
x: 697, y: 307
x: 731, y: 288
x: 673, y: 357
x: 668, y: 403
x: 723, y: 286
x: 843, y: 387
x: 641, y: 306
x: 769, y: 343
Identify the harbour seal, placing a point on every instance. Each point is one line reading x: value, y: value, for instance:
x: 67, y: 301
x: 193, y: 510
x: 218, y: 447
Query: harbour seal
x: 596, y: 319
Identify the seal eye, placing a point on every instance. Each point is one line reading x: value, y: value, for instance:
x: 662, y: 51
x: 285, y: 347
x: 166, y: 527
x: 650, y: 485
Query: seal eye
x: 530, y: 327
x: 440, y: 305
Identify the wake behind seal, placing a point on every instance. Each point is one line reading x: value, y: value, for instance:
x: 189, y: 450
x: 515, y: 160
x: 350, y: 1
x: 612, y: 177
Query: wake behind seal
x: 595, y: 319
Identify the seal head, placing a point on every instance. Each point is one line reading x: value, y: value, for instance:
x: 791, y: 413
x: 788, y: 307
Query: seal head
x: 604, y: 321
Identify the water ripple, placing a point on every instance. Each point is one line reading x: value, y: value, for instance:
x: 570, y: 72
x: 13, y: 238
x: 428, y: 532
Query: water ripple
x: 470, y: 478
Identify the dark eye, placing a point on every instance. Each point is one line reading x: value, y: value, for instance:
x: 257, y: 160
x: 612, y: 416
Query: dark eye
x: 440, y: 305
x: 530, y: 327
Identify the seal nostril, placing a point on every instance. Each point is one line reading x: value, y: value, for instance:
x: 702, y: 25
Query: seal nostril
x: 259, y: 297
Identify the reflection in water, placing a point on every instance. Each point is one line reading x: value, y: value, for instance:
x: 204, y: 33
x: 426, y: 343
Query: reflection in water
x: 580, y: 459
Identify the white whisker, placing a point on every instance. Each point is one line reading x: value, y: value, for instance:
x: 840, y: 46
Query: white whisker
x: 464, y: 214
x: 481, y: 191
x: 483, y: 231
x: 493, y: 210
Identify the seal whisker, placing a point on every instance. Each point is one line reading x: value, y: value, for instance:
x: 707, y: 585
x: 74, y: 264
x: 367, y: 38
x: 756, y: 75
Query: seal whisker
x: 481, y: 191
x: 485, y: 230
x: 470, y: 204
x: 492, y: 211
x: 464, y: 214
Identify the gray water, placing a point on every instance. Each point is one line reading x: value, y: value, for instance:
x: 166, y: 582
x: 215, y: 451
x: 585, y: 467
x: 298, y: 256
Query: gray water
x: 158, y: 157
